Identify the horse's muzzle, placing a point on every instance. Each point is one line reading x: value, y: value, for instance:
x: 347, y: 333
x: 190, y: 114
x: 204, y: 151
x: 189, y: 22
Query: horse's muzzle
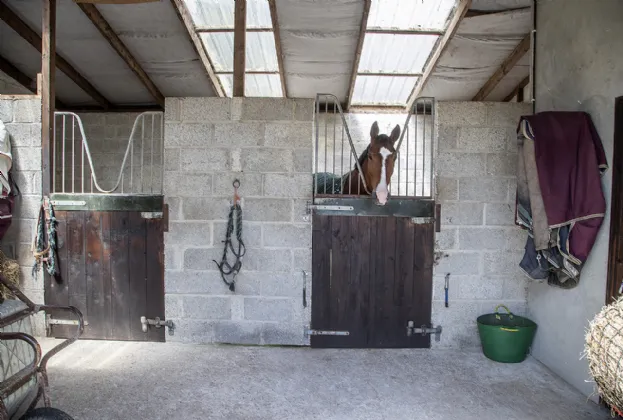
x: 381, y: 197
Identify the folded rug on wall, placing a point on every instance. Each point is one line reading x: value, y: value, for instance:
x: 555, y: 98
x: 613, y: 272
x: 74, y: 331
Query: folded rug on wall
x: 560, y: 201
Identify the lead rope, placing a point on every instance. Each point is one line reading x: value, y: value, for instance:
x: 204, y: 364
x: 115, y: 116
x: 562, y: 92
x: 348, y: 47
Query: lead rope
x: 44, y: 249
x: 225, y: 268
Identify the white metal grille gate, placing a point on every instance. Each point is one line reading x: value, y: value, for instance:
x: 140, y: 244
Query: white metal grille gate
x: 76, y: 170
x: 341, y: 138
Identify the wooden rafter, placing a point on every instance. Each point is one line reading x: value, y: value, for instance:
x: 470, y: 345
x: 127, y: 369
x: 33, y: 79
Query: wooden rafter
x: 48, y: 91
x: 362, y: 35
x: 240, y: 41
x: 507, y: 65
x: 106, y: 30
x: 518, y: 89
x: 195, y: 40
x: 442, y: 43
x: 15, y: 73
x: 275, y: 21
x: 26, y: 32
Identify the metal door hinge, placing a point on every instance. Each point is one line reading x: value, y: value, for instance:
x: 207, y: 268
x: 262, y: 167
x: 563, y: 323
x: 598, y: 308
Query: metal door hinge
x: 423, y: 330
x: 151, y: 215
x: 68, y: 203
x: 311, y: 207
x: 51, y: 321
x: 309, y: 332
x: 158, y: 323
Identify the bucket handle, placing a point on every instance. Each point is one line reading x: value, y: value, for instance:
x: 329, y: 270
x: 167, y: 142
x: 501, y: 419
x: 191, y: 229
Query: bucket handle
x: 497, y: 316
x: 509, y: 329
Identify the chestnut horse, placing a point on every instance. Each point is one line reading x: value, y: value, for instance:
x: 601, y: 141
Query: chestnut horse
x: 377, y: 165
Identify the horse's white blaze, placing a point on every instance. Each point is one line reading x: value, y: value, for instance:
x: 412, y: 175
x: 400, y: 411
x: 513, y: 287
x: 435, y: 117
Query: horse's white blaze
x: 381, y: 189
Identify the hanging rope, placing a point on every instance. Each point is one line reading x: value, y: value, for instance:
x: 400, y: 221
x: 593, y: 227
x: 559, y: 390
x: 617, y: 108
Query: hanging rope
x: 234, y: 222
x: 44, y: 243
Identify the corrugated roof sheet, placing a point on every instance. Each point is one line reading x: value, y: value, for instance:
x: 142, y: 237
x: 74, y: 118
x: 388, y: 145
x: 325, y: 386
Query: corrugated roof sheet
x: 220, y: 13
x: 382, y: 90
x: 410, y: 14
x: 385, y: 53
x: 261, y: 53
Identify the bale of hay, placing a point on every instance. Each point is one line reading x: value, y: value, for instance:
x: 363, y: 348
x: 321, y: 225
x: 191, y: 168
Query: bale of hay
x: 604, y: 351
x: 10, y: 270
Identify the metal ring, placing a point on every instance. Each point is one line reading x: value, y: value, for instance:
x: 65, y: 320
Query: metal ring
x: 236, y: 183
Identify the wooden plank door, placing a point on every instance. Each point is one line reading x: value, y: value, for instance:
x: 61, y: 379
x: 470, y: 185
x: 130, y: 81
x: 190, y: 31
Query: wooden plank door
x: 615, y: 259
x: 111, y: 267
x: 370, y: 276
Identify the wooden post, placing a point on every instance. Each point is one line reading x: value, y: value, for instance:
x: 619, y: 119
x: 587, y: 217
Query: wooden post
x: 240, y: 27
x: 48, y: 94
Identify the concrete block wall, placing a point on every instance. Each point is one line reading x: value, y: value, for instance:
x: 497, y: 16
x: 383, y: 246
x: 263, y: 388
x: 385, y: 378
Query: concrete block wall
x: 108, y: 135
x: 479, y: 245
x: 267, y: 144
x: 22, y: 118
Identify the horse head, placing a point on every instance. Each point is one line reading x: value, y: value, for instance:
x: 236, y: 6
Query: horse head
x: 379, y: 164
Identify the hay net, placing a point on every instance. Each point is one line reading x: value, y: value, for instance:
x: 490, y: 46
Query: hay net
x: 604, y: 351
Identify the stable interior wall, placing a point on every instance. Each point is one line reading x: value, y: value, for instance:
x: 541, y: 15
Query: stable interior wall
x: 578, y: 68
x: 479, y: 246
x: 267, y: 145
x: 21, y: 116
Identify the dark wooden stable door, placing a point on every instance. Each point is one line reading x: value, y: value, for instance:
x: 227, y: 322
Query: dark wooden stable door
x: 370, y: 276
x: 110, y: 266
x: 615, y: 260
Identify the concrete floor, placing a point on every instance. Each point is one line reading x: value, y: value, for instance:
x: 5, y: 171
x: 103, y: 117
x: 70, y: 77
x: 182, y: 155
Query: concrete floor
x: 113, y: 380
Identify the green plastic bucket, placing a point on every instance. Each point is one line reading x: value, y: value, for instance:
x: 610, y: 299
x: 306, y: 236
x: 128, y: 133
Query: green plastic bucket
x: 505, y: 338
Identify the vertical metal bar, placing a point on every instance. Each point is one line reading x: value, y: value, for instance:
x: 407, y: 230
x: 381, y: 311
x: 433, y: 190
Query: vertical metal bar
x: 82, y: 177
x: 131, y: 162
x: 54, y: 158
x: 350, y: 168
x: 432, y: 144
x: 342, y: 152
x: 142, y: 142
x: 316, y: 120
x: 73, y: 154
x: 424, y: 151
x: 415, y: 147
x: 326, y: 141
x: 151, y: 173
x: 161, y: 153
x: 407, y: 162
x: 334, y: 143
x: 64, y: 133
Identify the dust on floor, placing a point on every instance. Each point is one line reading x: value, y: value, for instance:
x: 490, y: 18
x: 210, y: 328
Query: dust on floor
x: 120, y: 380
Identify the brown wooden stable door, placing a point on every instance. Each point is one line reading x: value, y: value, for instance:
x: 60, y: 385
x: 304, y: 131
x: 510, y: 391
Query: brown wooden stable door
x: 110, y: 266
x: 370, y: 276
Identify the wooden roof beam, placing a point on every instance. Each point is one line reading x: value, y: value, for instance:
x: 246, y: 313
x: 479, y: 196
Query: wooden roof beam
x: 507, y: 65
x: 442, y: 43
x: 355, y: 69
x: 90, y: 10
x: 518, y: 89
x: 26, y: 32
x: 240, y: 46
x: 195, y: 40
x: 275, y: 21
x: 16, y: 74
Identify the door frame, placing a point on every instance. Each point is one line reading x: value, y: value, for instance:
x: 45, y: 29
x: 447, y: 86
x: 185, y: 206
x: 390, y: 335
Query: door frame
x: 616, y: 207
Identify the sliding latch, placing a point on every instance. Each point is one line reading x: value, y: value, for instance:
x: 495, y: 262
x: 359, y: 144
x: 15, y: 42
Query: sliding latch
x: 157, y: 322
x: 423, y: 330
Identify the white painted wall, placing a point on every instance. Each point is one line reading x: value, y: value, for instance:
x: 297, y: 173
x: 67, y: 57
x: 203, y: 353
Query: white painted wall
x: 579, y: 67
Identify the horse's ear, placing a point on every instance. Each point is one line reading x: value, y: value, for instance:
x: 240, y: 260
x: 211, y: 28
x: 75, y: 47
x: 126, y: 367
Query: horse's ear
x: 374, y: 131
x: 395, y: 134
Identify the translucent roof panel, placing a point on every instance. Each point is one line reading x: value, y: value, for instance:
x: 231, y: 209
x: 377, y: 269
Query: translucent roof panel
x: 256, y: 85
x: 410, y: 14
x: 383, y: 53
x: 261, y: 52
x: 220, y: 13
x: 382, y: 90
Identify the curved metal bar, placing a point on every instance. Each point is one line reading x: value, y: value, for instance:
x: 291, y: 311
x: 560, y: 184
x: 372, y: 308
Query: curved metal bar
x: 16, y: 381
x: 67, y: 342
x: 336, y: 102
x: 125, y: 156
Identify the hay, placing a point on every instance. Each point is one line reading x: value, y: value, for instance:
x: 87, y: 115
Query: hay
x: 604, y: 351
x: 10, y: 270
